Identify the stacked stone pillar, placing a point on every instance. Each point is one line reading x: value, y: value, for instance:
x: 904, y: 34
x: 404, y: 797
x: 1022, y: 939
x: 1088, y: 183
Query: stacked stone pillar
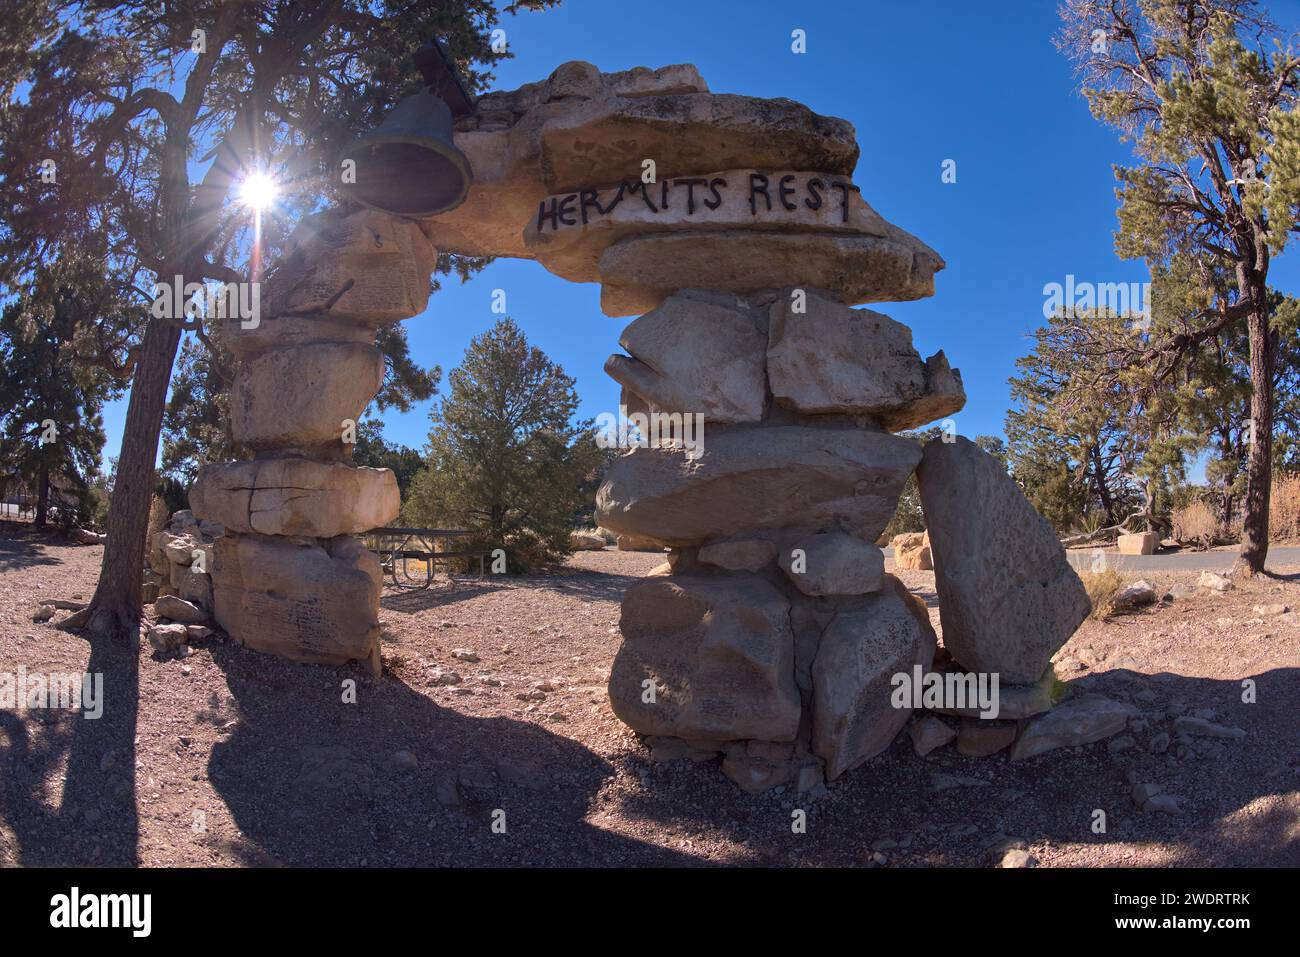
x: 773, y: 640
x: 289, y: 576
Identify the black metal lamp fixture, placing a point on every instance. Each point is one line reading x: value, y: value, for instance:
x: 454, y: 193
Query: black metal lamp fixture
x: 409, y: 164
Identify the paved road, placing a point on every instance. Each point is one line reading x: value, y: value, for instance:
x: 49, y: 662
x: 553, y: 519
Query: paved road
x: 1184, y: 561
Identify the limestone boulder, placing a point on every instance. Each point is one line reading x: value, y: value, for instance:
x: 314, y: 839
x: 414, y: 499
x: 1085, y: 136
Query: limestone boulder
x: 603, y: 140
x: 695, y: 354
x: 860, y: 652
x: 295, y: 497
x: 177, y: 609
x: 739, y: 555
x: 367, y: 268
x: 640, y: 272
x: 1139, y: 543
x: 247, y: 339
x: 716, y: 654
x: 752, y: 478
x: 832, y: 563
x: 912, y: 551
x: 1014, y: 702
x: 570, y: 231
x: 583, y: 541
x: 311, y: 601
x: 299, y: 398
x: 581, y: 128
x: 824, y: 357
x: 1008, y: 598
x: 1078, y: 721
x: 191, y: 585
x: 634, y: 543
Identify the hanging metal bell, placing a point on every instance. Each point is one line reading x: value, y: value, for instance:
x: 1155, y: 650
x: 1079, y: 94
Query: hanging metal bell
x: 409, y: 165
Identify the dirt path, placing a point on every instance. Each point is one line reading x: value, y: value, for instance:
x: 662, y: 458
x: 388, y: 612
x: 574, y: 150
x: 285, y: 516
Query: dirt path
x: 243, y: 759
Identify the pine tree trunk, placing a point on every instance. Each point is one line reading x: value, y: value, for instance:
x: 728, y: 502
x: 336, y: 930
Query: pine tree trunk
x: 1103, y: 491
x: 42, y: 495
x: 1259, y: 461
x: 115, y: 608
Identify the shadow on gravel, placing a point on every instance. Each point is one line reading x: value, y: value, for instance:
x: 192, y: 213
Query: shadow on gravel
x: 438, y: 595
x: 312, y: 781
x: 21, y: 546
x: 96, y: 822
x: 949, y: 810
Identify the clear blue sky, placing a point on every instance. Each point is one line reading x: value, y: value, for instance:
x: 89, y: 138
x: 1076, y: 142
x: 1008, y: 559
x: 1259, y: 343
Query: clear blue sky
x: 922, y: 81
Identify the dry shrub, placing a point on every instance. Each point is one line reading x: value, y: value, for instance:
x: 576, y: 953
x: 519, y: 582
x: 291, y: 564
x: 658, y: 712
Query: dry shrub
x: 1195, y: 524
x: 1284, y: 508
x: 1102, y: 587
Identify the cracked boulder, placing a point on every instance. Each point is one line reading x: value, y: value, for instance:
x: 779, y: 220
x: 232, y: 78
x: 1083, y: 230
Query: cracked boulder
x: 305, y: 600
x: 295, y: 497
x: 862, y: 648
x: 831, y: 358
x: 1008, y: 598
x: 367, y: 268
x: 747, y: 478
x: 706, y: 659
x: 695, y: 354
x: 300, y: 398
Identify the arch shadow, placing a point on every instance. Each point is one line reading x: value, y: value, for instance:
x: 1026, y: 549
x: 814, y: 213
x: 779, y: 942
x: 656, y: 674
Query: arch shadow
x: 312, y: 781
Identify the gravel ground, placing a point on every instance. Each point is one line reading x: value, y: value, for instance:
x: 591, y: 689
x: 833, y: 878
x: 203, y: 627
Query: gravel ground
x: 241, y: 759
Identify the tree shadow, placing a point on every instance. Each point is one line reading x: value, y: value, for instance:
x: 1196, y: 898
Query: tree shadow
x: 95, y: 822
x: 414, y: 601
x: 584, y: 584
x: 22, y: 546
x: 396, y: 780
x: 948, y: 810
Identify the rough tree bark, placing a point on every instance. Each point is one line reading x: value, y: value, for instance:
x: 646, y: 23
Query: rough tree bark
x: 115, y: 608
x: 1259, y: 461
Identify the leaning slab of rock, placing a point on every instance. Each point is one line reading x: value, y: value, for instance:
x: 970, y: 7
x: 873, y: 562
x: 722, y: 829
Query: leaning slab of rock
x: 1008, y: 598
x: 315, y: 602
x: 1078, y: 721
x: 300, y: 398
x: 719, y: 374
x: 824, y: 357
x: 706, y: 659
x: 748, y: 478
x: 296, y: 497
x: 861, y: 650
x: 832, y: 563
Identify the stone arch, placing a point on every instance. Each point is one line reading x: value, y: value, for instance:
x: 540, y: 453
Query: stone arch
x: 773, y: 638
